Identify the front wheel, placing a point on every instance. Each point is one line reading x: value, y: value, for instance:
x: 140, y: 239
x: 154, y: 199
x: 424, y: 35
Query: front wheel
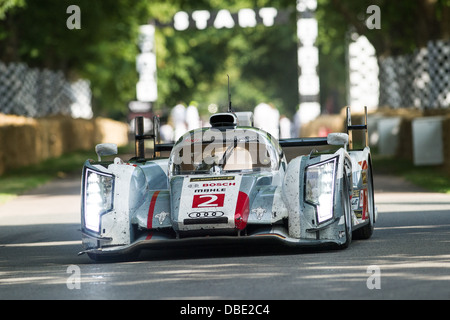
x: 346, y: 207
x: 367, y: 231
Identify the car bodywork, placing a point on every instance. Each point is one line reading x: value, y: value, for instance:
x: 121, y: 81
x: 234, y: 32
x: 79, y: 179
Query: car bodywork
x: 230, y: 182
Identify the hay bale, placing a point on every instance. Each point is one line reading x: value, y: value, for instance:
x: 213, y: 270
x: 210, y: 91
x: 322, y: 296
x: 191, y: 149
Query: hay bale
x: 110, y: 131
x: 25, y: 141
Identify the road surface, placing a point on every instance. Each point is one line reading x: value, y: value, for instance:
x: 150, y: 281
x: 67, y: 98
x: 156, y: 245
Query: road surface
x: 408, y: 257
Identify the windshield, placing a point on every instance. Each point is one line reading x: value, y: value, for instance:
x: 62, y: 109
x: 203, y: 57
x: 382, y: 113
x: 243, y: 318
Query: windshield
x: 201, y: 152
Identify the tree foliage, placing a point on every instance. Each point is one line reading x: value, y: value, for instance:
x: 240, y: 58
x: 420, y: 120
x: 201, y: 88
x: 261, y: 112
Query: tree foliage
x: 8, y: 5
x: 193, y: 65
x: 104, y: 49
x: 405, y: 25
x: 261, y: 62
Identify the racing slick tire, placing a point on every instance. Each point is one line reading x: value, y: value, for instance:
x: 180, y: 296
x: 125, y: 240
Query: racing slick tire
x: 367, y: 231
x: 347, y: 212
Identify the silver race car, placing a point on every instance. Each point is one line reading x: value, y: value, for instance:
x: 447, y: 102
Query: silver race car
x: 230, y: 182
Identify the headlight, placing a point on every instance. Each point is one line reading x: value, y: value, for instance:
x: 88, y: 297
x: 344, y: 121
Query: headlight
x: 98, y: 198
x: 319, y: 189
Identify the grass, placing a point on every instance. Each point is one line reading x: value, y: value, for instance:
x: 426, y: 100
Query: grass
x: 432, y: 178
x: 19, y: 181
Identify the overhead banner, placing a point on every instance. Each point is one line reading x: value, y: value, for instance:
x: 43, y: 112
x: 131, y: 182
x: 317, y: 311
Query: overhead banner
x: 244, y: 18
x: 308, y: 54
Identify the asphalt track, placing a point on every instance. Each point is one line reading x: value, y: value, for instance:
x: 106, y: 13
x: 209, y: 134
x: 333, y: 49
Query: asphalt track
x: 408, y: 257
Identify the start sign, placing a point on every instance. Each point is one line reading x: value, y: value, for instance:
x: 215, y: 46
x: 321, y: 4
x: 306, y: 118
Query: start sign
x: 308, y: 54
x: 244, y: 18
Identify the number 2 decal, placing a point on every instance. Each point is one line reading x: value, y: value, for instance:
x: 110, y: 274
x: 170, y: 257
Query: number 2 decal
x: 208, y: 200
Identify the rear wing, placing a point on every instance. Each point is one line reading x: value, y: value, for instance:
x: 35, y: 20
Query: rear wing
x: 350, y: 128
x: 158, y: 147
x: 303, y: 142
x: 140, y: 138
x: 323, y: 141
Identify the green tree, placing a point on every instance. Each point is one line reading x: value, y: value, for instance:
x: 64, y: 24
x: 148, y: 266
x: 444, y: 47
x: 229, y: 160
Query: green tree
x: 261, y: 61
x: 104, y: 49
x: 405, y: 25
x: 7, y: 5
x: 193, y: 65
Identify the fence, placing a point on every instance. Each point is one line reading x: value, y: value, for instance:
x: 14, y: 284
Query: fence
x: 39, y: 93
x: 420, y: 79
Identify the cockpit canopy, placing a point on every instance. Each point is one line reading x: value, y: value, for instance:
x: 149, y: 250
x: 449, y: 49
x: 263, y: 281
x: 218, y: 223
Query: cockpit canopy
x: 210, y: 150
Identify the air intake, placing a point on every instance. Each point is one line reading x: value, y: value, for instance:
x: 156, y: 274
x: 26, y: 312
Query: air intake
x: 223, y: 120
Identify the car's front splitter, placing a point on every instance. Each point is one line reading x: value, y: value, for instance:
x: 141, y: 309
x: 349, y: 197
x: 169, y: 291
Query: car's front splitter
x: 260, y: 239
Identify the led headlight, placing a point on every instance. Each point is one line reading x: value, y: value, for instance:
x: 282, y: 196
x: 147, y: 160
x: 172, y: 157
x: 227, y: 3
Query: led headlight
x: 319, y: 190
x: 98, y: 198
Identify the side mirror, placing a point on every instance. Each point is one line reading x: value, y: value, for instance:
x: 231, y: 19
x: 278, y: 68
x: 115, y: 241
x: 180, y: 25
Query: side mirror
x: 105, y: 149
x: 338, y: 139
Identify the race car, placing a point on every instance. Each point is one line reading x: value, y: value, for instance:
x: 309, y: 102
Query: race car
x: 228, y: 183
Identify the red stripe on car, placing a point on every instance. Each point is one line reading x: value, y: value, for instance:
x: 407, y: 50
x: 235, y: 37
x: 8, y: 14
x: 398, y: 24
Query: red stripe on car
x: 242, y: 211
x: 151, y: 210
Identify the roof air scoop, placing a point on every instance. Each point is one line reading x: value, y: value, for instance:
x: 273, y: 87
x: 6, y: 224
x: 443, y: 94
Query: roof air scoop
x: 223, y: 120
x: 228, y: 119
